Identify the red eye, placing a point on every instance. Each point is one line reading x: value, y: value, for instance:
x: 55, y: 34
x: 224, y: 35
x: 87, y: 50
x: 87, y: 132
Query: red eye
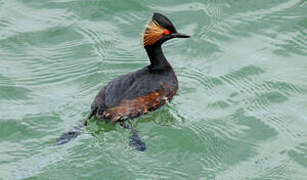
x: 166, y: 32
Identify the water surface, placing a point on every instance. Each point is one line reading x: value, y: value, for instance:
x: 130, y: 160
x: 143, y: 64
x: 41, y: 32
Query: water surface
x: 240, y: 112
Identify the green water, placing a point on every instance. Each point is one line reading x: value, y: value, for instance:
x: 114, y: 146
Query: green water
x: 240, y: 112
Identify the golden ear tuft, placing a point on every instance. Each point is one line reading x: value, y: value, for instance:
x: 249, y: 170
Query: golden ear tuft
x: 153, y: 33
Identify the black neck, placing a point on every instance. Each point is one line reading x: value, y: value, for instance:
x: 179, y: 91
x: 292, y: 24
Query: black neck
x: 157, y: 58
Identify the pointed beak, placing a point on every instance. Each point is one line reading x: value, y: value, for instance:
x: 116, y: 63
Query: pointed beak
x: 180, y: 35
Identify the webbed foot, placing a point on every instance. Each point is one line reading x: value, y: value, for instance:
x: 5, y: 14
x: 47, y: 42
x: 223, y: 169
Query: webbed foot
x: 137, y: 143
x: 68, y: 136
x: 135, y: 140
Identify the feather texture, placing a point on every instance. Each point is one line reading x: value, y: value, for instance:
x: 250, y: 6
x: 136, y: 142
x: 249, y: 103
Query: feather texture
x: 153, y: 33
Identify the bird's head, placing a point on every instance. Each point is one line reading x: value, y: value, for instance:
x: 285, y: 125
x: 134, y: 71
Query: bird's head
x: 159, y: 30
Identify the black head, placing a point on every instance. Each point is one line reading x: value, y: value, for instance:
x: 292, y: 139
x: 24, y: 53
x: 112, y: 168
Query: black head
x: 163, y: 21
x: 159, y: 30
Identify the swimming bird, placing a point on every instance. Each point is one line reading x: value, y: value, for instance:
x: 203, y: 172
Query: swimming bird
x: 131, y: 95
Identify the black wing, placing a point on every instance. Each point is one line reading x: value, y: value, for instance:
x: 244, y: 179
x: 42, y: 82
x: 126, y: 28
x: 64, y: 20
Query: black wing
x: 129, y: 86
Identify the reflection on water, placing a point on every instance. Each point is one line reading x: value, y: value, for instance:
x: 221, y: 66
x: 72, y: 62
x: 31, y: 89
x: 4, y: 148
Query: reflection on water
x: 240, y: 112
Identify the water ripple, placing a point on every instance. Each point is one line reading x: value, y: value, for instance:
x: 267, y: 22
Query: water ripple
x: 239, y: 112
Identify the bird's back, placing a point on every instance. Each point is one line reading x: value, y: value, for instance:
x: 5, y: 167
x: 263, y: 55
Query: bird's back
x: 135, y: 94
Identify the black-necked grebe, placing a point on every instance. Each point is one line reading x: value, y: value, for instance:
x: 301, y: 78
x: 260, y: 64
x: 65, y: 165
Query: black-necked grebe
x: 145, y: 90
